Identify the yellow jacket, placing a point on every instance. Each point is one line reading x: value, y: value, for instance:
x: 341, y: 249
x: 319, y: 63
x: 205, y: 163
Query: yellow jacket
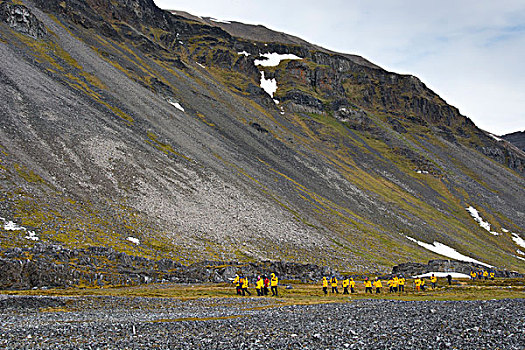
x: 274, y: 281
x: 325, y: 282
x: 352, y: 283
x: 390, y: 283
x: 236, y: 281
x: 433, y: 279
x: 395, y: 282
x: 401, y: 281
x: 346, y: 283
x: 417, y: 282
x: 492, y: 275
x: 473, y: 274
x: 485, y: 274
x: 333, y: 281
x: 368, y: 284
x: 378, y: 284
x: 244, y: 282
x: 259, y: 284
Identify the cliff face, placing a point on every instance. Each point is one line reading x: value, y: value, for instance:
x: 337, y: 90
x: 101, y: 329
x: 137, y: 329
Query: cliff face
x: 127, y: 126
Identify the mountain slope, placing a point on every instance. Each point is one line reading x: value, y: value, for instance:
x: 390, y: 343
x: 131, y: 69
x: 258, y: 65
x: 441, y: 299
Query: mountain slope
x: 122, y: 120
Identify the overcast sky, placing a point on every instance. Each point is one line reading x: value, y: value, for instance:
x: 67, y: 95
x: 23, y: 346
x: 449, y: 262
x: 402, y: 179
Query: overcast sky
x: 470, y: 52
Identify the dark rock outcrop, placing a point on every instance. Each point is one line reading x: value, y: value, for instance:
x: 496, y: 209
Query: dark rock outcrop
x: 22, y: 20
x: 412, y: 269
x: 54, y: 266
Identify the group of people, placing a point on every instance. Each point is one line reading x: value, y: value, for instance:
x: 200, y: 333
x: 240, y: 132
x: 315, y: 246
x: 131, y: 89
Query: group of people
x: 482, y: 274
x: 395, y: 284
x: 261, y: 285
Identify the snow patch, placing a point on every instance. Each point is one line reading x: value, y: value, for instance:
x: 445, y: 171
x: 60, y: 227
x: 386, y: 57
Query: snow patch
x: 495, y: 137
x: 268, y: 85
x: 176, y: 105
x: 134, y: 240
x: 443, y: 274
x: 505, y: 230
x: 518, y: 240
x: 519, y: 257
x: 274, y: 59
x: 421, y: 171
x: 520, y: 252
x: 200, y: 65
x: 244, y: 53
x: 13, y: 226
x: 483, y: 224
x: 219, y: 20
x: 447, y: 251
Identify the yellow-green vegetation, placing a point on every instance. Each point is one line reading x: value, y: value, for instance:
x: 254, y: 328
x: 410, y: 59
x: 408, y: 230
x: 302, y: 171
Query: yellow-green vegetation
x: 168, y: 149
x: 302, y: 293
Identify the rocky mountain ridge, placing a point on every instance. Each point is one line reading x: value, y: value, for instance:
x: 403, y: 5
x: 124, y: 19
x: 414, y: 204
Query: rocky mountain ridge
x: 129, y: 127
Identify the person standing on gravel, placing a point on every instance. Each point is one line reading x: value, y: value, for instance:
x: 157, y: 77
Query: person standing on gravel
x: 352, y: 285
x: 333, y: 283
x: 274, y: 282
x: 368, y: 286
x: 325, y: 285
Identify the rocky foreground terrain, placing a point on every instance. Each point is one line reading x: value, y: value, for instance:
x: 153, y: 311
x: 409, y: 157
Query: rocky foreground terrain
x: 232, y: 323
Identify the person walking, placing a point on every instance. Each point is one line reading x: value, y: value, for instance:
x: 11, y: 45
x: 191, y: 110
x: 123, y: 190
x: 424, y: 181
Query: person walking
x: 368, y: 286
x: 237, y: 283
x: 378, y: 285
x: 395, y: 283
x: 422, y: 284
x: 352, y: 285
x: 274, y: 281
x: 485, y: 275
x: 492, y: 275
x: 346, y: 283
x: 259, y: 286
x: 473, y: 275
x: 390, y: 284
x: 245, y: 286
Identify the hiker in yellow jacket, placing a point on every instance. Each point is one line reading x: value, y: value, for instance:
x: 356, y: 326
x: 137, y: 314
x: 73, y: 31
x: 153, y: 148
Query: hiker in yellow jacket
x: 417, y: 284
x: 259, y: 286
x: 485, y: 274
x: 368, y: 286
x: 390, y: 284
x: 333, y: 283
x: 244, y: 286
x: 237, y: 283
x: 395, y: 283
x: 274, y: 281
x: 346, y: 283
x: 473, y: 275
x: 378, y: 285
x: 433, y: 280
x: 401, y: 284
x: 352, y: 285
x: 492, y: 276
x: 325, y: 285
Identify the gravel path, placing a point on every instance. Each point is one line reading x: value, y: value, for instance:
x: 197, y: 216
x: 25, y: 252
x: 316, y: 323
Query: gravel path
x: 234, y: 323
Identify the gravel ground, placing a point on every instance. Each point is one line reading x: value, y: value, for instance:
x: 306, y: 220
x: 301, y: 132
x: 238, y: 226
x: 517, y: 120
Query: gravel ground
x: 234, y: 323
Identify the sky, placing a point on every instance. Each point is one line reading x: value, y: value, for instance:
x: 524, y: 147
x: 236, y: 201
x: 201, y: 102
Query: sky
x: 471, y: 53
